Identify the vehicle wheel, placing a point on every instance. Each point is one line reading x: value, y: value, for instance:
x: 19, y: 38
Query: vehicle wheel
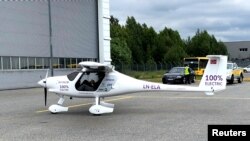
x: 244, y: 71
x: 164, y: 81
x: 232, y: 79
x: 240, y: 79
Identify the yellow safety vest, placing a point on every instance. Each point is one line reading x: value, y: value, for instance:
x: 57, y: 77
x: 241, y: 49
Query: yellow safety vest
x: 186, y: 72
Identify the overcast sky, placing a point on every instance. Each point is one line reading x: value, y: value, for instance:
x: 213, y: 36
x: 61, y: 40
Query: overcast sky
x: 227, y: 20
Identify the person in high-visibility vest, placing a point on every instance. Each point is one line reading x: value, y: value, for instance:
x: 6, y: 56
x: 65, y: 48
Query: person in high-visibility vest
x: 187, y: 75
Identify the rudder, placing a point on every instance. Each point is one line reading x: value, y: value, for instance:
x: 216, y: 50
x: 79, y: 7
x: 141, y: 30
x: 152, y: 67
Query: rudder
x: 214, y: 77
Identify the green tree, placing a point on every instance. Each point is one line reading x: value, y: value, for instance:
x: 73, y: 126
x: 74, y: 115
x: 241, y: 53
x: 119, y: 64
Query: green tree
x: 175, y: 55
x: 120, y: 53
x: 134, y: 39
x: 166, y: 40
x: 138, y: 43
x: 116, y: 30
x: 203, y: 44
x: 222, y: 49
x: 149, y: 37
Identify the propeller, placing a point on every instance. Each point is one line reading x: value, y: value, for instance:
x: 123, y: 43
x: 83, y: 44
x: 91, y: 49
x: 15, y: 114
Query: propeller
x: 43, y: 83
x: 45, y: 88
x: 45, y: 96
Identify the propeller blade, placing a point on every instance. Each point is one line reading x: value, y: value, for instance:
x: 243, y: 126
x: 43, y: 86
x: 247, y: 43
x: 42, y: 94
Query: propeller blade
x: 46, y: 78
x: 47, y: 74
x: 45, y: 96
x: 45, y: 87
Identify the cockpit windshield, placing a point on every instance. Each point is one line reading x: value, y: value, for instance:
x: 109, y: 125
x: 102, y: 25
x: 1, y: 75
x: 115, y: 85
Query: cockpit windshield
x: 72, y: 75
x: 90, y: 80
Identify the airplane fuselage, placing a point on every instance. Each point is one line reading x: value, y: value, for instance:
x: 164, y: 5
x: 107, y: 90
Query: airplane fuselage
x: 96, y: 80
x: 110, y: 86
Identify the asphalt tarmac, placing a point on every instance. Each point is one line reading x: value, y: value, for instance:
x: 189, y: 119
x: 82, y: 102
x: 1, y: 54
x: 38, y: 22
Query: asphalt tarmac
x: 140, y: 116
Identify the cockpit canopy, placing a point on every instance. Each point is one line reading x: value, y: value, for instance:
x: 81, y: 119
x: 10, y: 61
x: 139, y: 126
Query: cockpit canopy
x: 95, y: 66
x: 89, y: 75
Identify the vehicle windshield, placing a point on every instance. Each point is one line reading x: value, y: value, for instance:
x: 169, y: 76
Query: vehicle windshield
x: 203, y: 63
x: 229, y: 66
x: 177, y: 70
x: 193, y: 63
x: 193, y: 66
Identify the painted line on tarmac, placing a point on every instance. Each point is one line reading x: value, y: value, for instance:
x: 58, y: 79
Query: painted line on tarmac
x: 212, y: 98
x: 85, y: 104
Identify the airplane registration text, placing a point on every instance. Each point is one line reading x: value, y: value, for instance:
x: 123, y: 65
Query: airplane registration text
x: 151, y: 87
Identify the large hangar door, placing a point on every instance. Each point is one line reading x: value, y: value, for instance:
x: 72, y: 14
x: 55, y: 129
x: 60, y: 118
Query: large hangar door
x: 75, y: 28
x: 24, y: 28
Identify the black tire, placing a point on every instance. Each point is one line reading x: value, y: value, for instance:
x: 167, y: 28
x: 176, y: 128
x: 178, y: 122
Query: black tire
x: 240, y: 78
x: 164, y: 81
x: 231, y: 81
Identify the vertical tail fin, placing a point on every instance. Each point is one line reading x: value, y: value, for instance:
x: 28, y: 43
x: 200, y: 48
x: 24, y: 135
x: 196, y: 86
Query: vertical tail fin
x: 214, y: 77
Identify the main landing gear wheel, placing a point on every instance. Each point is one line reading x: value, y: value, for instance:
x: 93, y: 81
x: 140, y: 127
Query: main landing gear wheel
x: 100, y: 108
x: 57, y: 108
x: 54, y: 109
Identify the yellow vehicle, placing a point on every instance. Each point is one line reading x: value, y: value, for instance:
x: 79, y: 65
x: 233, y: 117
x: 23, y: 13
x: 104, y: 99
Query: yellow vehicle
x: 234, y: 73
x: 198, y: 64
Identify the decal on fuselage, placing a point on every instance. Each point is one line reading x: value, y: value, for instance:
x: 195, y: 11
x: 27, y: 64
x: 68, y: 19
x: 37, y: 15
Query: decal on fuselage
x: 151, y: 87
x: 63, y: 82
x: 213, y: 80
x: 63, y: 85
x: 107, y: 83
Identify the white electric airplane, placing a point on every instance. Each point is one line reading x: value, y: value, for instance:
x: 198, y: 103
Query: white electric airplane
x: 96, y: 80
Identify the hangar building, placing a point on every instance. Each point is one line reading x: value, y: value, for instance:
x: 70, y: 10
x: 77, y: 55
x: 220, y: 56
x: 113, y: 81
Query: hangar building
x: 238, y: 50
x: 39, y: 34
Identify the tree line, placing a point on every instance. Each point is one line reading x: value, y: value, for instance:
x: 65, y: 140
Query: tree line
x: 137, y: 43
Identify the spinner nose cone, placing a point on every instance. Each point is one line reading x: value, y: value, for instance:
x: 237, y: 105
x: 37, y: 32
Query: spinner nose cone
x: 42, y: 82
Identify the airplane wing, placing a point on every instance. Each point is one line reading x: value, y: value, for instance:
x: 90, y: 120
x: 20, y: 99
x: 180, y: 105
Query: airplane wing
x: 96, y: 66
